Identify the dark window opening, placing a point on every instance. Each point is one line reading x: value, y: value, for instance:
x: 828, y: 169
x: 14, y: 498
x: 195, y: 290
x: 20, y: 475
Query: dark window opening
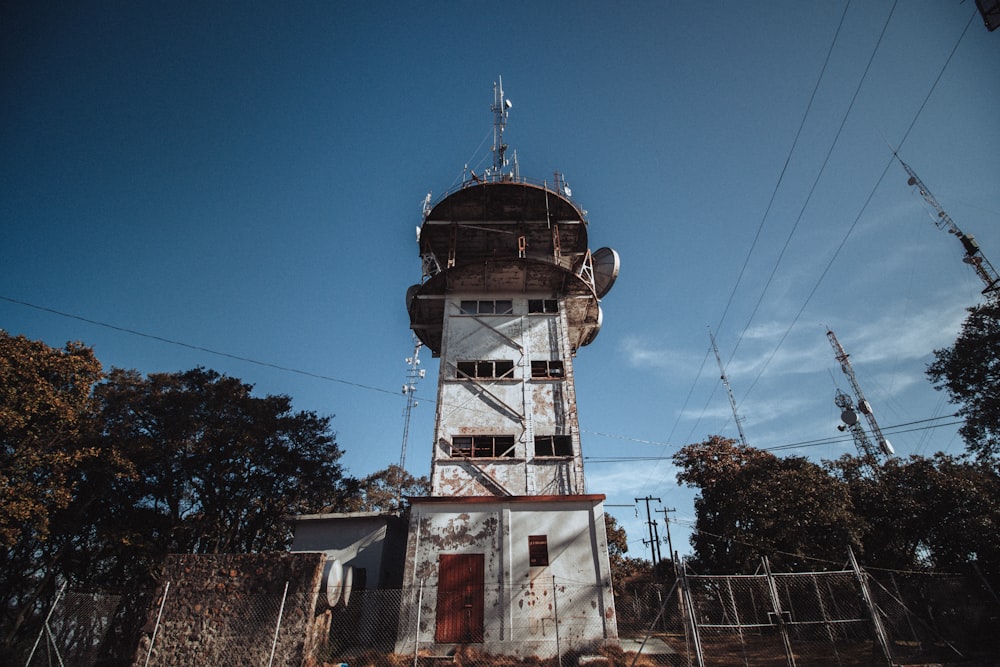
x: 482, y: 446
x: 546, y: 369
x: 543, y: 306
x: 502, y: 307
x: 553, y: 445
x: 487, y: 368
x: 538, y: 550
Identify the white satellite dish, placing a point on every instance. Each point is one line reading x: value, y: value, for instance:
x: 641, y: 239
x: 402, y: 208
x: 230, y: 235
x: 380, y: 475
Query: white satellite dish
x: 346, y: 586
x: 606, y: 266
x: 333, y: 581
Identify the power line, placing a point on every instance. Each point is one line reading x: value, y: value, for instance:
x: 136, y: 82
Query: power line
x: 198, y: 348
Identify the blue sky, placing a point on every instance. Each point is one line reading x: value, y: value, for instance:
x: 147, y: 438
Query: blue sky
x: 246, y: 178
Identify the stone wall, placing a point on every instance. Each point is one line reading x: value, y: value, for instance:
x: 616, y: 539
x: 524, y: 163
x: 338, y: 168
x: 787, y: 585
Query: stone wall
x: 224, y: 609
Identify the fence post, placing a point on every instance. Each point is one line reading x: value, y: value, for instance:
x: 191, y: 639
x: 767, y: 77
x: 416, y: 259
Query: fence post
x: 416, y: 628
x: 866, y: 595
x: 691, y: 616
x: 555, y: 613
x: 45, y: 625
x: 156, y: 627
x: 277, y: 627
x: 779, y: 618
x: 649, y: 631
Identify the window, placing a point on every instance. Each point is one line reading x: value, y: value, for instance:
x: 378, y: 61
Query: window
x: 498, y: 368
x: 538, y: 550
x: 504, y: 307
x: 553, y: 445
x: 546, y: 369
x: 543, y: 306
x: 482, y: 446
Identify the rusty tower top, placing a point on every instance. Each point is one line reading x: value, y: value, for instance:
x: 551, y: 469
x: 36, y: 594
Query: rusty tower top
x: 510, y: 291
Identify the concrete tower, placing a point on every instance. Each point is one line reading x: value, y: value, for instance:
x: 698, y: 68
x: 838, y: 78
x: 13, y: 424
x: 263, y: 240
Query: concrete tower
x: 510, y: 291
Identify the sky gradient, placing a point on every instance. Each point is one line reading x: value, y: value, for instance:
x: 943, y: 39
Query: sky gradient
x: 246, y: 178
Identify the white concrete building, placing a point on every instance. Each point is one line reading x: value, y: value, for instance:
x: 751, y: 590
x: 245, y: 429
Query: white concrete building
x: 509, y: 552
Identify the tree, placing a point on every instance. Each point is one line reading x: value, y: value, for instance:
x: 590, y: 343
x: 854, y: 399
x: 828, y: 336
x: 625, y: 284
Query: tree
x: 45, y: 404
x: 623, y: 568
x: 46, y: 409
x: 969, y: 371
x: 937, y: 513
x: 384, y: 491
x: 220, y: 468
x: 752, y: 504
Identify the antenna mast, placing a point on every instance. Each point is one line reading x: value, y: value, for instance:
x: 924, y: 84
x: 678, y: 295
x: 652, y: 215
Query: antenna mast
x: 413, y: 375
x: 973, y: 256
x: 729, y: 390
x: 500, y: 108
x: 850, y: 417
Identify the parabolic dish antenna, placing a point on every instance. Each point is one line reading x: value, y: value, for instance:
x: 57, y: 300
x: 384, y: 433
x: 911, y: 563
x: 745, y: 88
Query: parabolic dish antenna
x: 333, y: 579
x: 345, y: 596
x: 606, y: 265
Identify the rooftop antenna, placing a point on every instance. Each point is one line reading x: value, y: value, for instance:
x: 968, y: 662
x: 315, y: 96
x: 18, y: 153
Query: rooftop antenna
x: 729, y: 390
x: 973, y: 256
x: 500, y: 108
x: 850, y: 417
x: 413, y: 375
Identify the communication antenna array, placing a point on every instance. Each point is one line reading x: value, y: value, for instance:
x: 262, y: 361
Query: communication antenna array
x: 973, y: 255
x: 501, y: 109
x: 729, y: 391
x: 850, y: 417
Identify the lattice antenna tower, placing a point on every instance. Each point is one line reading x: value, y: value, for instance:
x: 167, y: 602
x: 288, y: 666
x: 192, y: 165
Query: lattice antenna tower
x: 413, y: 375
x: 973, y: 255
x: 501, y: 109
x: 849, y: 416
x: 729, y: 390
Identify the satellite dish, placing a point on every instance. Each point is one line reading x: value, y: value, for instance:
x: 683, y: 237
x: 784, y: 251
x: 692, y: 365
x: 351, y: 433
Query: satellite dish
x: 849, y: 417
x: 348, y: 581
x: 411, y: 292
x: 606, y: 266
x: 333, y: 581
x: 887, y: 448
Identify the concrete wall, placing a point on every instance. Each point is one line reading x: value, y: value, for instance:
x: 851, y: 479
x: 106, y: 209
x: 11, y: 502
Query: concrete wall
x: 518, y: 406
x: 521, y: 601
x: 373, y: 541
x: 224, y: 609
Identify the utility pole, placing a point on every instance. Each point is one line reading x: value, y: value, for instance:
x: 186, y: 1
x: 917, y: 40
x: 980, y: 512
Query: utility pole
x: 651, y: 524
x: 666, y: 524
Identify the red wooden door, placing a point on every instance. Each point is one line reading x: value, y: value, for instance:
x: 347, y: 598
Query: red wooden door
x: 460, y: 598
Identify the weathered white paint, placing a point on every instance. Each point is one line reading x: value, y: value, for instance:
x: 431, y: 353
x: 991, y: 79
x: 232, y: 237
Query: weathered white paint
x: 519, y: 406
x: 363, y: 540
x: 519, y: 614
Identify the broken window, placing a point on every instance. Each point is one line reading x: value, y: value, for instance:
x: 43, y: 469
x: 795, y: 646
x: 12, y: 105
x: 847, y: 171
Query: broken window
x: 543, y: 306
x: 482, y: 446
x: 501, y: 307
x: 546, y: 369
x: 485, y: 368
x: 538, y: 550
x: 553, y: 445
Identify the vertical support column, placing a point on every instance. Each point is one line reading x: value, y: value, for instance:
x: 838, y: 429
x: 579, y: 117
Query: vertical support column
x: 880, y: 635
x: 576, y: 483
x: 778, y: 614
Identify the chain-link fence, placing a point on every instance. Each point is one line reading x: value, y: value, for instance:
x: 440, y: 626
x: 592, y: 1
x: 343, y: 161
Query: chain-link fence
x: 841, y: 618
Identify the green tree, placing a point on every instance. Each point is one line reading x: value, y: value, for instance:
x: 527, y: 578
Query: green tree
x: 220, y: 469
x: 939, y: 512
x: 752, y: 503
x: 969, y: 371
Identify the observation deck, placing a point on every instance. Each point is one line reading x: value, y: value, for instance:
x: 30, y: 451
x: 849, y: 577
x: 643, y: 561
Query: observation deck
x: 508, y: 237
